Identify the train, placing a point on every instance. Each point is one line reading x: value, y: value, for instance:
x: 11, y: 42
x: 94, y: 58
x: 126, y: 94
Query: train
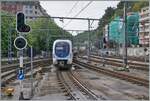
x: 62, y: 54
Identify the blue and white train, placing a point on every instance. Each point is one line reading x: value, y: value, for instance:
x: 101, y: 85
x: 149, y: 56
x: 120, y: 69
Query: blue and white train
x: 62, y: 53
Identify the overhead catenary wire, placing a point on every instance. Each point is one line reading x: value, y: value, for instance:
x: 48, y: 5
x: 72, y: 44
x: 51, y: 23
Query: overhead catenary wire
x: 72, y: 8
x: 79, y: 12
x: 70, y: 11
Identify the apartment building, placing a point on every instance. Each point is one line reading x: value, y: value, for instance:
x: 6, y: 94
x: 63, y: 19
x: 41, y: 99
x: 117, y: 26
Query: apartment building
x: 31, y: 9
x: 144, y: 26
x: 11, y: 7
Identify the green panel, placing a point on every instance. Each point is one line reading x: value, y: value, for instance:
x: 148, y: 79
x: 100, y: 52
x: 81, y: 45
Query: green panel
x: 116, y: 28
x: 132, y: 28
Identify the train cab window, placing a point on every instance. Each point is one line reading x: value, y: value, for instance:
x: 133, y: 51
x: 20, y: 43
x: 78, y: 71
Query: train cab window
x: 62, y: 49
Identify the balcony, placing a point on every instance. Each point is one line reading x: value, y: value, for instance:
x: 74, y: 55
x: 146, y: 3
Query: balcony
x: 146, y: 24
x: 143, y: 13
x: 145, y: 18
x: 144, y: 31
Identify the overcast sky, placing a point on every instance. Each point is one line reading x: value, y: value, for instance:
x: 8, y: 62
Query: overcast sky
x: 62, y: 8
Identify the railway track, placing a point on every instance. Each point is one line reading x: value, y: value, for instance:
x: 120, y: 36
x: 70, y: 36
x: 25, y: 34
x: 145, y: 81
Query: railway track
x: 6, y: 68
x: 123, y: 76
x: 131, y: 62
x: 140, y: 59
x: 82, y: 87
x: 69, y: 88
x: 65, y: 86
x: 118, y: 62
x: 9, y: 73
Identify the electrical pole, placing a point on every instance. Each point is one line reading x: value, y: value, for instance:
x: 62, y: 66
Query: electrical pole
x: 88, y: 40
x: 63, y: 31
x: 47, y: 44
x: 31, y: 57
x: 21, y: 71
x: 9, y: 46
x: 125, y: 38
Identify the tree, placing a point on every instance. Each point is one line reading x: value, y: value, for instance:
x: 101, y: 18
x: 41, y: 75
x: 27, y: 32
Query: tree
x: 110, y: 14
x: 8, y: 26
x: 140, y: 4
x: 44, y: 32
x: 136, y: 7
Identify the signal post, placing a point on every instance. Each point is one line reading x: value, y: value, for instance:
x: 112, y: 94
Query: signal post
x: 20, y: 43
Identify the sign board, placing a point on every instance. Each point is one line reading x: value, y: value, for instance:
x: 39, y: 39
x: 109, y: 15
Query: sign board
x: 21, y: 75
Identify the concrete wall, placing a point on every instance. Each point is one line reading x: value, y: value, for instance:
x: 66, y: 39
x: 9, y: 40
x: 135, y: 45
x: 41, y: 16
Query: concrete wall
x: 136, y: 51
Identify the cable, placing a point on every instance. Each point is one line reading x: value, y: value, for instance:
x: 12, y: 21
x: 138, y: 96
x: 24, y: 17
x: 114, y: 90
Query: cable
x: 91, y: 23
x: 79, y: 12
x: 83, y: 8
x: 72, y: 8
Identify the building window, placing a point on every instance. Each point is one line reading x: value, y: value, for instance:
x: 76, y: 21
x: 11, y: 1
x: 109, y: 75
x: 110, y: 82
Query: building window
x: 26, y: 6
x: 30, y: 6
x: 35, y: 12
x: 31, y: 11
x: 35, y: 7
x: 147, y: 15
x: 12, y: 6
x: 26, y: 11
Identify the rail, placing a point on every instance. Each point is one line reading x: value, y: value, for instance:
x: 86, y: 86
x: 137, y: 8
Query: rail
x: 123, y: 76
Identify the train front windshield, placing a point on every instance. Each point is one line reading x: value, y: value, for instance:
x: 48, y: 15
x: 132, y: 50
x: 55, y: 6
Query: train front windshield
x: 62, y: 49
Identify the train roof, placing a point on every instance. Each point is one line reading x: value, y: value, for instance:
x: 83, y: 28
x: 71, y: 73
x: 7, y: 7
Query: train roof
x: 62, y: 40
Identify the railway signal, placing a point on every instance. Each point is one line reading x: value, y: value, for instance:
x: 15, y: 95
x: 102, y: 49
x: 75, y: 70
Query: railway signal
x: 104, y: 50
x: 145, y: 49
x: 104, y: 40
x: 104, y: 43
x: 20, y: 22
x: 20, y: 43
